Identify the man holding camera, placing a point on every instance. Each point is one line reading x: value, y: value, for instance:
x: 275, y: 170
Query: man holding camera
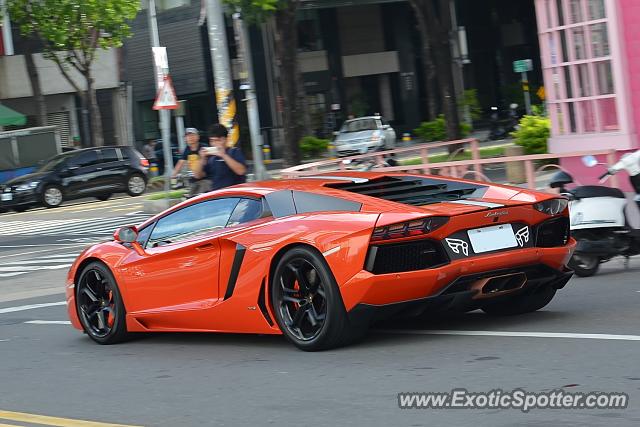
x: 222, y: 165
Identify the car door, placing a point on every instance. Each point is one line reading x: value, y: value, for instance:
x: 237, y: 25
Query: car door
x: 114, y: 168
x: 81, y: 173
x: 177, y: 276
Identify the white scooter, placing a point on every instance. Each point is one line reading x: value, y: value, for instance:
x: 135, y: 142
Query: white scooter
x: 598, y: 218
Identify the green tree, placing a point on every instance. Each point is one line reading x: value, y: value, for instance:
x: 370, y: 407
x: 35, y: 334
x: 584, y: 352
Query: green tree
x: 71, y: 31
x: 286, y: 47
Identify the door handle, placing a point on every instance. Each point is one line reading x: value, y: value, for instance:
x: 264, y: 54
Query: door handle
x: 206, y: 247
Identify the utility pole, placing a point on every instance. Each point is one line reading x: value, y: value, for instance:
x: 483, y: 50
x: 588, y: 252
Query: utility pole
x: 223, y: 81
x: 248, y: 85
x: 7, y: 37
x: 165, y: 115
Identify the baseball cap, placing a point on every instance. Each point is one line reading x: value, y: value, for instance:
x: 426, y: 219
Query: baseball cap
x: 192, y: 130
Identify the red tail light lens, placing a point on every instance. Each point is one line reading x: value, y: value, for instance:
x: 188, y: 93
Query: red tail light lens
x: 144, y: 163
x: 408, y: 229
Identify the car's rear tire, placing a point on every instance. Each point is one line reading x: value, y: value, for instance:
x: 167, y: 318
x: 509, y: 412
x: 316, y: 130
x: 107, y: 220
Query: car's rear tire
x: 100, y: 306
x: 103, y: 197
x: 584, y: 265
x: 522, y: 303
x: 136, y: 184
x: 52, y: 196
x: 307, y: 303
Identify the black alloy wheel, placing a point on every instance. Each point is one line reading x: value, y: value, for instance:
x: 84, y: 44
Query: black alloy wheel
x: 307, y: 302
x: 99, y: 304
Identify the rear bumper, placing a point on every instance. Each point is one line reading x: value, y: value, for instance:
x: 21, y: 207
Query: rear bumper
x: 460, y: 295
x: 395, y: 288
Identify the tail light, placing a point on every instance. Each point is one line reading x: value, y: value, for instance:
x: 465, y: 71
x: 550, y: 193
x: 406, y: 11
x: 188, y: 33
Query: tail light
x: 144, y: 163
x: 416, y: 227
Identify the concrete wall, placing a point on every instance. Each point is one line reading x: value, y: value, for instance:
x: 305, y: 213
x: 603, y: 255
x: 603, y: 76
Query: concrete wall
x: 14, y: 81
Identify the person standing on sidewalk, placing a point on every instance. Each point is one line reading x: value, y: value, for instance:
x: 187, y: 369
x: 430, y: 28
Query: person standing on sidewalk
x: 222, y: 165
x: 191, y: 157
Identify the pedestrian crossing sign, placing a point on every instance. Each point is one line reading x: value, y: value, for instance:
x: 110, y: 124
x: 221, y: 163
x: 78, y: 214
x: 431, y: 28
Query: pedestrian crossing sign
x: 166, y: 98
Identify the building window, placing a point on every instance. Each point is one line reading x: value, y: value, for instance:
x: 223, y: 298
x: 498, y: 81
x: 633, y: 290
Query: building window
x: 597, y: 9
x: 578, y: 70
x: 576, y: 11
x: 309, y: 36
x: 605, y: 77
x: 599, y: 40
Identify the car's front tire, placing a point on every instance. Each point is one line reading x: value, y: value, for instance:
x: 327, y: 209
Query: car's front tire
x: 52, y: 196
x: 307, y: 303
x: 526, y: 302
x: 100, y: 306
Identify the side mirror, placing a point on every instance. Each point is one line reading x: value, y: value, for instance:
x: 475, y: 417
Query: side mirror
x: 336, y: 133
x: 385, y: 127
x: 589, y: 161
x: 127, y: 234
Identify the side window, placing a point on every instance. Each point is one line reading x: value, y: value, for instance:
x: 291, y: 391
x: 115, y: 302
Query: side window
x: 245, y: 211
x: 86, y: 158
x: 109, y: 155
x: 192, y: 221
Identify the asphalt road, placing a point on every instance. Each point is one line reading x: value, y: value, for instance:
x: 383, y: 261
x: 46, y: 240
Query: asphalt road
x: 49, y: 369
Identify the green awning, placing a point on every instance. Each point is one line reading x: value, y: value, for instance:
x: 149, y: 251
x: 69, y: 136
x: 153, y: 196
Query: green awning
x: 8, y: 117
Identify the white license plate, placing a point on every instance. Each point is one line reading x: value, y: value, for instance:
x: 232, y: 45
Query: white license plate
x: 492, y: 238
x: 5, y: 197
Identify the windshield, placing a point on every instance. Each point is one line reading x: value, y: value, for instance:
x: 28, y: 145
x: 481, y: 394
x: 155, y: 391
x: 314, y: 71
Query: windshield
x: 359, y: 125
x: 53, y: 162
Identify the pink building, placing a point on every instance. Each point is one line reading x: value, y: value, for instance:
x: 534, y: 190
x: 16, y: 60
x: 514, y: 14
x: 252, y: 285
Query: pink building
x: 591, y: 63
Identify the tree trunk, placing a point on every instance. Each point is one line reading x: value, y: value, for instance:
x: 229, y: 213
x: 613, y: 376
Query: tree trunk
x: 430, y: 75
x: 439, y: 24
x: 32, y: 71
x: 286, y: 49
x: 96, y: 117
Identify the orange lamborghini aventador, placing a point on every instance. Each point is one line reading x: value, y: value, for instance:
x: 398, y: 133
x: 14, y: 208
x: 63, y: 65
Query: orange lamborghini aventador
x: 318, y: 259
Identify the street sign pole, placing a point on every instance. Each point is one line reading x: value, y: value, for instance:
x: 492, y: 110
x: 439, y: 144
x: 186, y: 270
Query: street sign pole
x: 527, y: 93
x: 165, y: 115
x: 523, y: 66
x: 244, y: 55
x: 179, y: 113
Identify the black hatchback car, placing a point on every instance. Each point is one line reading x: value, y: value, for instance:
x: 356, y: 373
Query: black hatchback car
x: 89, y: 172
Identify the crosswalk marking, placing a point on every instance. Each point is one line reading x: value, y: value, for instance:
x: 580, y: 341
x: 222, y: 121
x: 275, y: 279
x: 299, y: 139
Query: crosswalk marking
x: 49, y: 262
x: 66, y: 227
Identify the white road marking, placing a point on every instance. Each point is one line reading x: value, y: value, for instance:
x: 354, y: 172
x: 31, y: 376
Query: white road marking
x: 30, y: 253
x: 17, y: 273
x: 40, y: 246
x: 512, y: 334
x: 30, y: 307
x: 48, y: 260
x: 48, y: 322
x: 33, y: 267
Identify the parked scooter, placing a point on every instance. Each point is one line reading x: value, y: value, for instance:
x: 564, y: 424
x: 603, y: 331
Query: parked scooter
x: 598, y: 219
x: 503, y: 122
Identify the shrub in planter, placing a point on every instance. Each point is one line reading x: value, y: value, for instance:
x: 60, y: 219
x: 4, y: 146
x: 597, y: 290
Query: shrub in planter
x: 310, y: 146
x: 436, y: 130
x: 533, y: 134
